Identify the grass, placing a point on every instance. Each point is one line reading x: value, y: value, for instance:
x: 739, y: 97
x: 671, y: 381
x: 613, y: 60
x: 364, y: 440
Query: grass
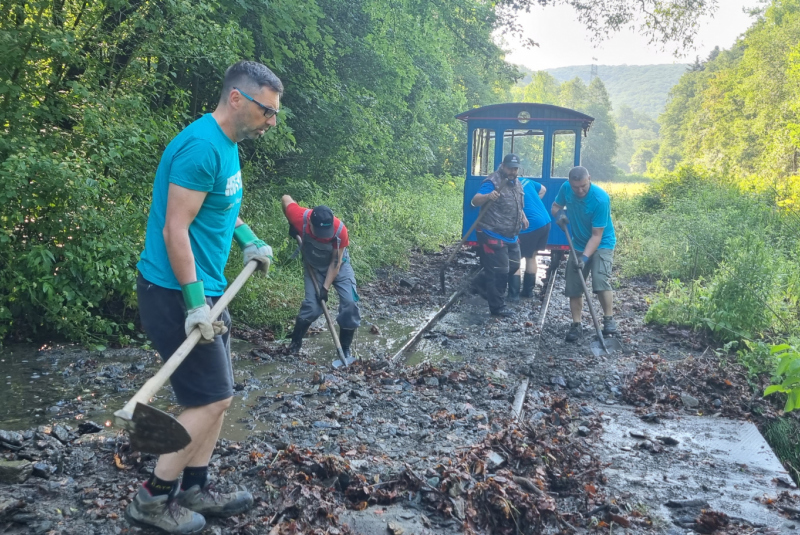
x: 625, y: 186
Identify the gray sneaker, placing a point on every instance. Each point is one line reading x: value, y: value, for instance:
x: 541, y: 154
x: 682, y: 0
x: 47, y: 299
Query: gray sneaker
x: 211, y: 502
x: 609, y: 325
x: 163, y: 513
x: 575, y: 332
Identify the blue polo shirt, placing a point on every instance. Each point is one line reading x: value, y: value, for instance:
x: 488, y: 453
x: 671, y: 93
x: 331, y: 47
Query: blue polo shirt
x: 534, y: 207
x: 593, y: 211
x: 201, y: 158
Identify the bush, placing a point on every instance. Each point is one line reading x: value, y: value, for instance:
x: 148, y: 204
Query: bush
x: 735, y: 248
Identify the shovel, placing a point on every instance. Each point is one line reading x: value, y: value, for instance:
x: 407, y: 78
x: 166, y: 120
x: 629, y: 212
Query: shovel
x: 154, y: 431
x: 341, y: 361
x: 599, y: 346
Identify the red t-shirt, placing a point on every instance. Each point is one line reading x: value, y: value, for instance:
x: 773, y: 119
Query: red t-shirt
x: 294, y: 213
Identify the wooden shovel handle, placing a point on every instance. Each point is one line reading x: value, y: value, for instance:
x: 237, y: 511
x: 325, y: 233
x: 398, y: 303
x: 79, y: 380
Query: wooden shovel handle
x: 328, y: 319
x: 585, y: 290
x: 157, y: 381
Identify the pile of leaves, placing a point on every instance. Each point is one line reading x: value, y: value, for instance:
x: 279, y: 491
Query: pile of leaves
x: 303, y: 487
x: 526, y: 478
x: 523, y: 478
x: 660, y: 384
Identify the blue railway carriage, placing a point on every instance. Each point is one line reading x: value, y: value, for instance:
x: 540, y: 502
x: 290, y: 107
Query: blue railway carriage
x: 546, y: 138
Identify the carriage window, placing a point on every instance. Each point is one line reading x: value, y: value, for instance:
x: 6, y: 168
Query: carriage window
x: 563, y: 153
x: 482, y: 151
x: 529, y: 146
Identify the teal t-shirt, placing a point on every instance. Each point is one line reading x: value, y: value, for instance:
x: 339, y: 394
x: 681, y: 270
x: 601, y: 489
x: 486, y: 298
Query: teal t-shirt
x: 594, y: 210
x: 200, y: 158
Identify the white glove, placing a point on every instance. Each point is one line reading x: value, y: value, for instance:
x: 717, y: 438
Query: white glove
x: 200, y: 317
x: 259, y: 251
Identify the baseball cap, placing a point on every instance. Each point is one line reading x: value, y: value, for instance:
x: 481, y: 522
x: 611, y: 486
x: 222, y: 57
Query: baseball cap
x: 511, y: 160
x: 322, y: 222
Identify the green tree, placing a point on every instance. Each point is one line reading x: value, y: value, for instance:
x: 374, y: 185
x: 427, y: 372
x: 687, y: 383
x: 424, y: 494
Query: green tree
x: 736, y: 114
x: 543, y: 89
x: 600, y: 147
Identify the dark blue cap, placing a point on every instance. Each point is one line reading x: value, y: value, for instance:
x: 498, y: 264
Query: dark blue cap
x: 322, y: 221
x: 511, y: 161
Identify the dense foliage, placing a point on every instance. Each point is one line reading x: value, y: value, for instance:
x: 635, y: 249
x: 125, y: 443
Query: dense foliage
x: 92, y: 92
x: 638, y: 140
x: 737, y: 112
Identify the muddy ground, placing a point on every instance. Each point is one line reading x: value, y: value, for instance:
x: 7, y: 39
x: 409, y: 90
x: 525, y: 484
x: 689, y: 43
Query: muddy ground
x: 428, y: 447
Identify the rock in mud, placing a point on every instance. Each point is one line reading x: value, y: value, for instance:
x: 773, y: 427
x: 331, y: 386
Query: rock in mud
x: 690, y: 402
x: 12, y: 472
x: 89, y: 427
x: 60, y: 433
x: 43, y: 470
x: 10, y: 437
x: 495, y: 460
x: 682, y: 504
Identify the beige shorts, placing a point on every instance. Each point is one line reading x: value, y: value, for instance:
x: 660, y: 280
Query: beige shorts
x: 600, y: 267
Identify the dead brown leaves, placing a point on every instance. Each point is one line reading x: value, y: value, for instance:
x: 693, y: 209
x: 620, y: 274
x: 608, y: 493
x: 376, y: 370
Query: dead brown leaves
x: 719, y: 387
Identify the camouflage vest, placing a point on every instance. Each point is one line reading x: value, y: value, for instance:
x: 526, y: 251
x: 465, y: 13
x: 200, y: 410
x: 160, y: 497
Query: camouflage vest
x: 504, y: 216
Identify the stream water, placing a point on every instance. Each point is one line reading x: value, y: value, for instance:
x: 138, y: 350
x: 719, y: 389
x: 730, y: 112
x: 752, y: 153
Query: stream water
x: 43, y: 384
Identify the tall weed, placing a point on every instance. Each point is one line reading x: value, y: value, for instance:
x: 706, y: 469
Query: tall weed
x: 729, y: 254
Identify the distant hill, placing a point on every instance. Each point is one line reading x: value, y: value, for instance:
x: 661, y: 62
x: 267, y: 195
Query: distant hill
x: 642, y: 87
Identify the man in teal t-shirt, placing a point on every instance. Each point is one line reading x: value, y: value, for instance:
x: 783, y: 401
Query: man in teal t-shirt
x: 588, y: 209
x: 193, y: 218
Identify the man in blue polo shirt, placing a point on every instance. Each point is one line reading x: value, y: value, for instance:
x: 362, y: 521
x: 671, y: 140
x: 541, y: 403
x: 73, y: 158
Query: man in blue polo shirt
x: 194, y: 217
x: 588, y: 212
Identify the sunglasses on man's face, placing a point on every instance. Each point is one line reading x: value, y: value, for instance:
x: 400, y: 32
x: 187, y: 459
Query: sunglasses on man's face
x: 268, y: 112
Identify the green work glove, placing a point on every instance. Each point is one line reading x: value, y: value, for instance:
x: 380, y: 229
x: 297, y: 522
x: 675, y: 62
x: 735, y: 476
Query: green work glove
x: 253, y: 248
x: 198, y: 313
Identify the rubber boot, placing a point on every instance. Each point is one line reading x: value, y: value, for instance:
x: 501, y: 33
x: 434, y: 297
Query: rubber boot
x: 300, y: 328
x: 528, y: 284
x: 513, y: 288
x: 346, y: 339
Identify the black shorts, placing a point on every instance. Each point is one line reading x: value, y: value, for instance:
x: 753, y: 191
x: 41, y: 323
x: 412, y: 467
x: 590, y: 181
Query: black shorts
x: 206, y: 375
x: 531, y: 242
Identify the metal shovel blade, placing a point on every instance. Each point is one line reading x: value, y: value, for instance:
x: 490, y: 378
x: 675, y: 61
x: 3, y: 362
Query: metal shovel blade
x: 347, y: 362
x: 612, y: 346
x: 153, y: 431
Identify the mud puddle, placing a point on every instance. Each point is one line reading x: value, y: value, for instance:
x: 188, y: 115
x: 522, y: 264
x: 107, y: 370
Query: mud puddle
x: 46, y: 384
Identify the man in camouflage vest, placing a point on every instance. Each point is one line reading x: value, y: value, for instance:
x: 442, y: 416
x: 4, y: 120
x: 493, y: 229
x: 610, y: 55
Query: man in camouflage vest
x: 501, y: 196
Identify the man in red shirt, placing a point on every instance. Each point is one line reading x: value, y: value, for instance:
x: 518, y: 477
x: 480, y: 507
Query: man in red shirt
x: 324, y: 248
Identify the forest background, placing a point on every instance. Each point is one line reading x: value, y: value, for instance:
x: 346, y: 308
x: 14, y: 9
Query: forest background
x: 91, y: 92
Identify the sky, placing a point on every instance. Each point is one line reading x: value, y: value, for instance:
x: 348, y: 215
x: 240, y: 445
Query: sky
x: 548, y: 25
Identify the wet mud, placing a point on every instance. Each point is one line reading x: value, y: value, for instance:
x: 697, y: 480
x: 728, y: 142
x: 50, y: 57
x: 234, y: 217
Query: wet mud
x: 426, y: 446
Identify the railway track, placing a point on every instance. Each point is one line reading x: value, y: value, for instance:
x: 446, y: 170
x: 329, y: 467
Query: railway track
x: 552, y: 272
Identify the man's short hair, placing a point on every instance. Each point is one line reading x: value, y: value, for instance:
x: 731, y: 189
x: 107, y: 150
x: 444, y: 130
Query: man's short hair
x: 249, y: 76
x: 578, y: 174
